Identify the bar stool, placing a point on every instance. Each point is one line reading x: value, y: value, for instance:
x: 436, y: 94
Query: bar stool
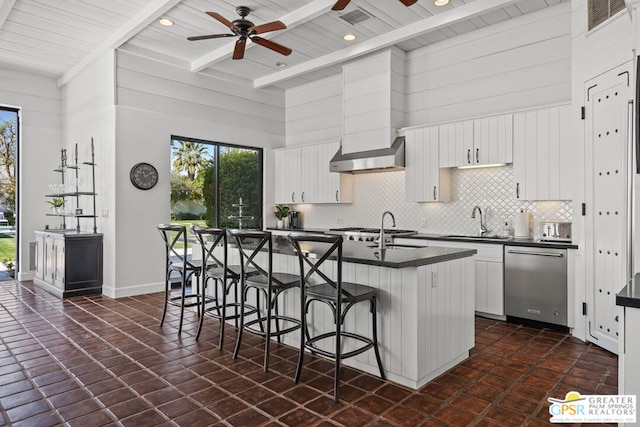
x: 338, y: 295
x: 225, y: 277
x: 176, y: 261
x: 266, y: 282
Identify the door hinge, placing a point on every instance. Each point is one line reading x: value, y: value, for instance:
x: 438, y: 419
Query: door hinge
x: 582, y: 112
x: 584, y: 308
x: 584, y: 209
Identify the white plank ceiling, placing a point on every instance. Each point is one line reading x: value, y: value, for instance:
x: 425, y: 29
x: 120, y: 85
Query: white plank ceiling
x: 58, y: 38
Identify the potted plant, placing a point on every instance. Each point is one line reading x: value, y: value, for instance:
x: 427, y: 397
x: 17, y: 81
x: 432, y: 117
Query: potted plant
x: 57, y: 204
x: 281, y: 213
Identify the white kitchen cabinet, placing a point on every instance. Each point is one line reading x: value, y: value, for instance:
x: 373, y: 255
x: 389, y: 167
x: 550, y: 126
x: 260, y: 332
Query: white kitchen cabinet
x: 302, y: 176
x: 483, y: 141
x: 489, y: 273
x: 456, y: 143
x: 425, y: 180
x: 542, y: 154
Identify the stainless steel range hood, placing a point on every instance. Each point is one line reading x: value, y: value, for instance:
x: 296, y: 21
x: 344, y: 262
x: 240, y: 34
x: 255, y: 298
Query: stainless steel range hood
x: 382, y: 160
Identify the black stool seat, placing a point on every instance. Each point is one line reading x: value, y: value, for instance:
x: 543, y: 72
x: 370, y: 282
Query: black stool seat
x: 176, y: 261
x: 267, y: 283
x: 226, y: 278
x: 339, y: 296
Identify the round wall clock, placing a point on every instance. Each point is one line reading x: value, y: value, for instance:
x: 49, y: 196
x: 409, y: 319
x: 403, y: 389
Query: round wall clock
x: 143, y: 176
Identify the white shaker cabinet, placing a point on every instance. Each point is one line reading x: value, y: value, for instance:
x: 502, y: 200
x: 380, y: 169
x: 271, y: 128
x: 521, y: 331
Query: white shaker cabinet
x: 425, y: 180
x: 287, y: 175
x: 542, y: 154
x: 456, y: 143
x: 483, y: 141
x: 302, y: 176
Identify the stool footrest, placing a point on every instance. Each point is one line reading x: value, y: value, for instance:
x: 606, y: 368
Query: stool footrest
x: 274, y: 333
x: 213, y: 311
x: 310, y: 344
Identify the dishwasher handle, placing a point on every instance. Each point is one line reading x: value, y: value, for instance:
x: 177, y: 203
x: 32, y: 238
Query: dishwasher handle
x: 552, y: 254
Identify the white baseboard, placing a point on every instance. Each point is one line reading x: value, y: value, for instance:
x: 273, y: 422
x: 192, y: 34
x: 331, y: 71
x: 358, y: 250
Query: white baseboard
x: 129, y: 291
x: 23, y: 277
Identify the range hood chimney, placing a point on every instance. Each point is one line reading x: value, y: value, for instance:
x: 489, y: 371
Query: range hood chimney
x: 380, y: 160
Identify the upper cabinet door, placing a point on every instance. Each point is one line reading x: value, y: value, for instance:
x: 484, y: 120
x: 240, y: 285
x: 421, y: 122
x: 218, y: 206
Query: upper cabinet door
x: 542, y: 154
x: 425, y: 180
x: 493, y: 140
x: 333, y: 187
x: 456, y: 144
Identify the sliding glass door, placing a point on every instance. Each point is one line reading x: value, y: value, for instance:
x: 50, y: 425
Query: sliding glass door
x: 216, y: 184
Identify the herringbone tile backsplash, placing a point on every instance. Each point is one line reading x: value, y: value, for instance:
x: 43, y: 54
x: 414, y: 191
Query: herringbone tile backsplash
x: 489, y: 188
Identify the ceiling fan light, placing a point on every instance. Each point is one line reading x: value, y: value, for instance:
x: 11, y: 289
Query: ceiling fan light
x: 165, y: 21
x: 349, y: 37
x: 440, y: 3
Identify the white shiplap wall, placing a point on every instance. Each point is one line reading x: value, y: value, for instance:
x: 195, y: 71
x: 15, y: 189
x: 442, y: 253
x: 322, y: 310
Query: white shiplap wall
x: 155, y: 101
x: 518, y: 64
x: 38, y: 99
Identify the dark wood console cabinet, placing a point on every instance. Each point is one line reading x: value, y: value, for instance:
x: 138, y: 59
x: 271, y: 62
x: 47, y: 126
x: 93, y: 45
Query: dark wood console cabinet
x: 69, y: 263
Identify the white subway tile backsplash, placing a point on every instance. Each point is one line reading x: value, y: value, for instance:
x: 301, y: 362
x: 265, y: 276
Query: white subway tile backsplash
x: 489, y: 188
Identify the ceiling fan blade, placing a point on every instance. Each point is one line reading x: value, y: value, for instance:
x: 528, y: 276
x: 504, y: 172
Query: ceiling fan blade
x: 238, y: 52
x: 210, y: 36
x: 221, y: 19
x: 272, y: 45
x: 265, y: 28
x: 340, y: 4
x: 408, y: 2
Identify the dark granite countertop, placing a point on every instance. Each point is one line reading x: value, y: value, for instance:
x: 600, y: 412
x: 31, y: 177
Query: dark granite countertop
x: 629, y: 296
x: 68, y: 232
x: 496, y: 241
x: 364, y: 253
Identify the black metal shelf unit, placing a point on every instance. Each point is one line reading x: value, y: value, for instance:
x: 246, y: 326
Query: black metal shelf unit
x: 75, y: 169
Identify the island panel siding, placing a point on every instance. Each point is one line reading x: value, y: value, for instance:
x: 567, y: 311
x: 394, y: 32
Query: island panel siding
x: 423, y: 329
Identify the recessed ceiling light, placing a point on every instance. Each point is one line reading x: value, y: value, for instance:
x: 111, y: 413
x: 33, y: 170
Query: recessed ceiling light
x: 349, y: 37
x: 440, y: 3
x: 281, y: 64
x: 165, y: 21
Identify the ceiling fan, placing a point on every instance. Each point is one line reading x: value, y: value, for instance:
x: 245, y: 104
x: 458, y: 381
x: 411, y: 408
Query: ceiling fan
x: 245, y: 29
x: 341, y: 4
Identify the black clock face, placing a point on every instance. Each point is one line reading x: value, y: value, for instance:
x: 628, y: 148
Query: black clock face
x: 144, y: 176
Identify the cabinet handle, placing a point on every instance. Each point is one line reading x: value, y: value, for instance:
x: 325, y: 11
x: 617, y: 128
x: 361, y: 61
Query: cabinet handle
x: 477, y: 155
x: 302, y: 197
x: 337, y: 198
x: 293, y: 199
x: 469, y: 156
x: 434, y: 193
x: 517, y: 190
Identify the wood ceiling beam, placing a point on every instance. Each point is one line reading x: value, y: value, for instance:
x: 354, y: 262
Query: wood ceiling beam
x: 297, y: 17
x: 431, y: 23
x: 133, y: 26
x: 5, y: 8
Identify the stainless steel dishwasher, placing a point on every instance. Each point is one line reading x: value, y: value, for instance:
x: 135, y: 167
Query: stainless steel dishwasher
x: 535, y: 284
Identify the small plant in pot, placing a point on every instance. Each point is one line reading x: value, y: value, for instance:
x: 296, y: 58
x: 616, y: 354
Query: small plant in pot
x: 57, y: 204
x: 281, y: 213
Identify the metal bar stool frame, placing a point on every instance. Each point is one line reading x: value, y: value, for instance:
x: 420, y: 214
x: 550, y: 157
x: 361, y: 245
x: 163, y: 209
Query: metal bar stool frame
x: 185, y: 268
x: 339, y: 296
x: 270, y: 284
x: 224, y: 276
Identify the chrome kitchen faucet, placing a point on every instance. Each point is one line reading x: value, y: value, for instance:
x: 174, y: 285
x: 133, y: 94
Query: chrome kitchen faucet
x: 482, y: 228
x: 381, y: 243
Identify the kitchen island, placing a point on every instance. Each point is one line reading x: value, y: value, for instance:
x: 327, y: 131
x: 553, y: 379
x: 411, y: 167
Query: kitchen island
x: 426, y: 306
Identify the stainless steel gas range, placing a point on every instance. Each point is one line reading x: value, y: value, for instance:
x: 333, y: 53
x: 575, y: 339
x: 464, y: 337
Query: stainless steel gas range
x: 369, y: 234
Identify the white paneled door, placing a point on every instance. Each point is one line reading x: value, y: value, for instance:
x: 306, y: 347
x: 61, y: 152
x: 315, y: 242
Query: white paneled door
x: 608, y: 148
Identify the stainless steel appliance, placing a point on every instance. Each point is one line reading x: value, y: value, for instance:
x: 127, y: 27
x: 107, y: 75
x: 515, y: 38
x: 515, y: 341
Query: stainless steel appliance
x: 295, y: 219
x: 555, y: 232
x: 535, y: 284
x: 369, y: 234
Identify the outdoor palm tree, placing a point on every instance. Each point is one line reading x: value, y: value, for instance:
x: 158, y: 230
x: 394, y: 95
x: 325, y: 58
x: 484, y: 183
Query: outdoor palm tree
x: 190, y: 157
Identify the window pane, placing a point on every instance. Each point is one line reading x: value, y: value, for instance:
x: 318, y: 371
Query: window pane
x: 215, y: 184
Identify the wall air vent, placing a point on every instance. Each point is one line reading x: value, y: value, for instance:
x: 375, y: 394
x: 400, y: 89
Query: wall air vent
x: 601, y: 10
x: 356, y: 16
